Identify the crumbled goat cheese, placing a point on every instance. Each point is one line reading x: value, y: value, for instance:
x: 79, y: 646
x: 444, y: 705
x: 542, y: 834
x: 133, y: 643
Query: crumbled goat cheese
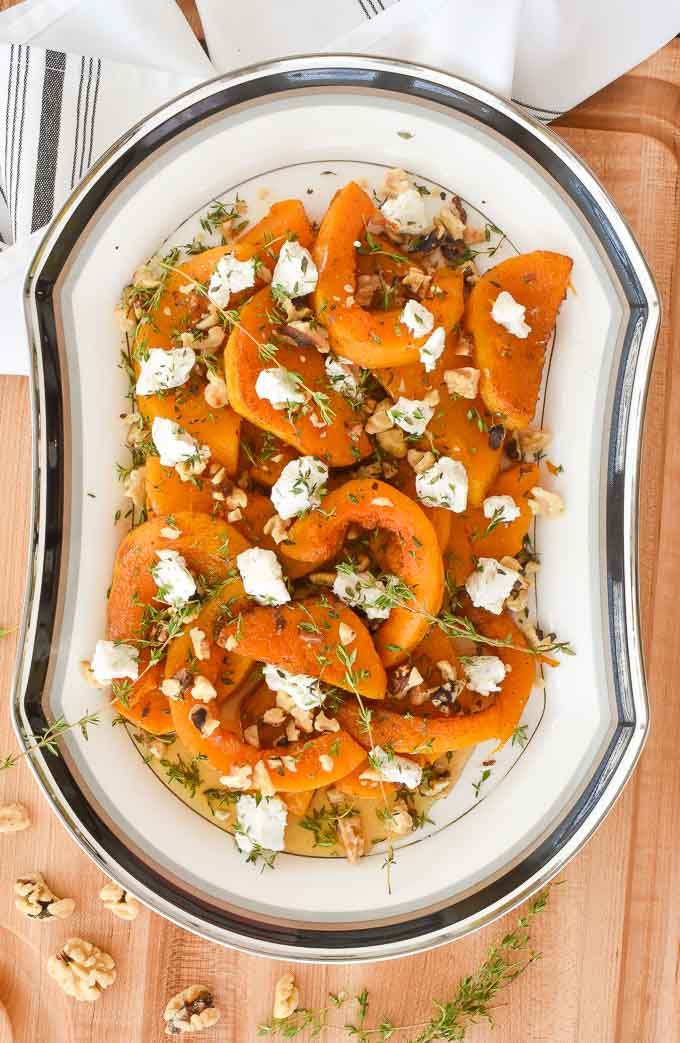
x: 299, y: 486
x: 230, y: 276
x: 112, y: 661
x: 393, y: 768
x: 362, y: 590
x: 262, y: 576
x: 295, y: 272
x: 173, y: 443
x: 417, y: 319
x: 432, y: 349
x: 411, y: 415
x: 504, y: 504
x: 484, y: 673
x: 279, y: 387
x: 445, y: 484
x: 162, y: 369
x: 304, y: 690
x: 490, y: 584
x: 508, y: 312
x: 463, y: 381
x: 175, y: 583
x: 406, y: 211
x: 344, y: 377
x: 262, y: 823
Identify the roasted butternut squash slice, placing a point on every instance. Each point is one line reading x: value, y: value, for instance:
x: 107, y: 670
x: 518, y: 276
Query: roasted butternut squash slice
x: 411, y: 552
x: 145, y: 705
x: 354, y: 786
x: 166, y: 493
x: 303, y: 638
x: 370, y: 338
x: 178, y: 311
x: 341, y: 442
x: 411, y: 733
x: 511, y: 368
x: 263, y: 455
x: 505, y: 538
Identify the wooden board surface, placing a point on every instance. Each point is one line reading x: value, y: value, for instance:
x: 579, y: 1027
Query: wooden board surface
x: 610, y: 941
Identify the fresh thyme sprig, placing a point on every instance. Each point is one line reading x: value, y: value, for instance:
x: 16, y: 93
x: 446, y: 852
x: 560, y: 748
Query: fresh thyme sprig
x: 471, y: 1002
x: 47, y: 740
x: 374, y: 247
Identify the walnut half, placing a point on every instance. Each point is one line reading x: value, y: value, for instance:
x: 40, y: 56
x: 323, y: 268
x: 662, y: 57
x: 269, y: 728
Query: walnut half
x: 37, y: 900
x: 286, y: 997
x: 191, y: 1010
x: 13, y: 817
x: 82, y: 970
x: 123, y: 905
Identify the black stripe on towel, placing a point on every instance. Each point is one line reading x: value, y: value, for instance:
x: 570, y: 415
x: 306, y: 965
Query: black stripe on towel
x: 77, y: 134
x: 48, y: 142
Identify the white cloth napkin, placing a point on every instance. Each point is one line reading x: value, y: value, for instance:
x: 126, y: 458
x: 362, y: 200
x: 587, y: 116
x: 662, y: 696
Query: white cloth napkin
x: 75, y: 74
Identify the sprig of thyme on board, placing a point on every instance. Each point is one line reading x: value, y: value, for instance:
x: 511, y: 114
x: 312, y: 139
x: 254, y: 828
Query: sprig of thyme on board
x: 471, y: 1002
x: 47, y: 740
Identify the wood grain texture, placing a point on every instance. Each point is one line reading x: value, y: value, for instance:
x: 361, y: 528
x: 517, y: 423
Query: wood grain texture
x: 610, y: 940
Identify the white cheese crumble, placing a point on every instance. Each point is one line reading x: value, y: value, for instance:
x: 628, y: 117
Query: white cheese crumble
x: 279, y: 387
x: 417, y: 319
x: 508, y: 312
x: 484, y: 673
x: 490, y: 584
x: 445, y: 484
x: 173, y: 443
x: 299, y: 486
x: 411, y: 414
x: 175, y: 583
x: 305, y: 691
x: 112, y: 661
x: 295, y: 272
x: 396, y: 769
x: 362, y: 590
x: 262, y: 823
x: 262, y: 576
x: 230, y: 276
x: 503, y: 508
x: 162, y: 369
x: 344, y: 377
x: 406, y: 211
x: 430, y: 352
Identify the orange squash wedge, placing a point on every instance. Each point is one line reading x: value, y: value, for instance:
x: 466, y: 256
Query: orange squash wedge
x: 511, y: 368
x: 340, y: 443
x: 370, y: 338
x: 411, y: 552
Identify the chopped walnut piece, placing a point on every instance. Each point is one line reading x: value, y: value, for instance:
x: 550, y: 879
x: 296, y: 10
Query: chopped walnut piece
x: 544, y: 503
x: 322, y: 579
x: 262, y: 780
x: 463, y: 382
x: 399, y: 822
x: 119, y: 902
x: 87, y: 675
x: 382, y: 501
x: 274, y: 715
x: 35, y: 899
x: 240, y: 777
x: 233, y: 516
x: 420, y: 461
x: 393, y: 442
x: 396, y: 182
x: 277, y: 528
x: 322, y: 723
x: 169, y: 532
x: 447, y: 670
x: 346, y: 634
x: 367, y: 286
x: 286, y: 997
x: 215, y: 392
x: 292, y: 732
x: 474, y: 235
x: 417, y: 281
x: 210, y: 319
x: 380, y: 420
x: 191, y: 1010
x: 431, y: 398
x: 134, y: 487
x: 532, y: 441
x: 252, y: 736
x: 199, y: 643
x: 350, y: 829
x: 214, y: 339
x: 13, y: 818
x: 82, y: 970
x: 237, y: 498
